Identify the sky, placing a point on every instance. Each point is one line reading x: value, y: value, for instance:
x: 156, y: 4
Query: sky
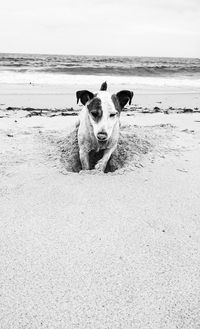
x: 101, y: 27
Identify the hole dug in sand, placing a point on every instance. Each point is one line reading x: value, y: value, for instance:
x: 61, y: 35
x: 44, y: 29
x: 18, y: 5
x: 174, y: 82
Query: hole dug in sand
x: 129, y: 153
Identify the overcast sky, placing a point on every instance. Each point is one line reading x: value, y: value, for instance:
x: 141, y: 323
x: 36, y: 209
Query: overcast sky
x: 101, y: 27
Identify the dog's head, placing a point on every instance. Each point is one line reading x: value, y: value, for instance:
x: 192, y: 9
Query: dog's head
x: 104, y: 109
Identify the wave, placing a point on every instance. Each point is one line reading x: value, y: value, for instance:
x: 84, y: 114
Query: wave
x: 136, y: 71
x: 92, y: 79
x: 151, y: 71
x: 101, y: 65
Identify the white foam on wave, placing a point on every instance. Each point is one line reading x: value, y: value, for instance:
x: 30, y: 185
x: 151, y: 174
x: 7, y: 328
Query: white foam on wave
x: 68, y: 79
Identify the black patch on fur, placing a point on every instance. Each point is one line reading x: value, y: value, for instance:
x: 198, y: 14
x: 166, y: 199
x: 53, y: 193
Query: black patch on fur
x: 124, y: 97
x: 104, y: 86
x: 116, y: 103
x: 95, y: 109
x: 84, y: 96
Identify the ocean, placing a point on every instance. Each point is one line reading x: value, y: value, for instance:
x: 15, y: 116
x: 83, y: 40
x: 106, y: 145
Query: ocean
x: 71, y: 69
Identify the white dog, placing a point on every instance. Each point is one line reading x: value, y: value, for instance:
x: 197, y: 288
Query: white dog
x: 98, y: 128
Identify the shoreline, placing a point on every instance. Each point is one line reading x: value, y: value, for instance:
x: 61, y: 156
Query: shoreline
x: 62, y: 96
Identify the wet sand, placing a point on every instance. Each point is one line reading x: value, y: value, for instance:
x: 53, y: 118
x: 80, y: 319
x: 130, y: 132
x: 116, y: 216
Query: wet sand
x: 57, y: 96
x: 116, y: 250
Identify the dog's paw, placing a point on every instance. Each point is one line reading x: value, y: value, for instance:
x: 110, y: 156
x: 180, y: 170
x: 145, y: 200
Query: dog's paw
x: 100, y: 166
x: 83, y: 172
x: 94, y: 172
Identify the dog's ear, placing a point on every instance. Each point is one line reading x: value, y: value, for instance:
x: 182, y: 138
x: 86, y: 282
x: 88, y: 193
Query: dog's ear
x: 84, y: 96
x: 104, y: 86
x: 124, y: 97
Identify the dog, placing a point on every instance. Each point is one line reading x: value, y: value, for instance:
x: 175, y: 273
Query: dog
x: 98, y: 126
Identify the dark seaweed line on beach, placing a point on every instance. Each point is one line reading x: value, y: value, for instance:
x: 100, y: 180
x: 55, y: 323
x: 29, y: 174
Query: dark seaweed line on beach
x: 72, y: 112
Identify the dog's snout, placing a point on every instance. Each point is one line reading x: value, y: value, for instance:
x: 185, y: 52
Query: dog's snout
x: 102, y: 136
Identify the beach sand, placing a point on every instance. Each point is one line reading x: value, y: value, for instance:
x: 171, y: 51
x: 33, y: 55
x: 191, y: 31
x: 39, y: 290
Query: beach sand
x: 56, y: 96
x: 116, y: 250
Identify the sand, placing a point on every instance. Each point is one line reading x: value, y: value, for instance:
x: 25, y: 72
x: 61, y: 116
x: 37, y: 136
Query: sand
x: 47, y: 96
x: 115, y: 250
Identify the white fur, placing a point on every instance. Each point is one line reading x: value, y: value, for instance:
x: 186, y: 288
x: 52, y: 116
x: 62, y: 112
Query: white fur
x: 88, y: 130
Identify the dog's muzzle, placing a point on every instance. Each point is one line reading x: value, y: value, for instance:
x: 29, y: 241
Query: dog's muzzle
x: 102, y: 137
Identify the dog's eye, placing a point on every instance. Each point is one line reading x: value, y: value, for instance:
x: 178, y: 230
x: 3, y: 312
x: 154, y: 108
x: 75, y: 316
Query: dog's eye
x: 94, y: 114
x: 112, y: 115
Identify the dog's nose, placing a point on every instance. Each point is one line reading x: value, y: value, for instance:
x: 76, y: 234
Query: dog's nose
x: 102, y: 136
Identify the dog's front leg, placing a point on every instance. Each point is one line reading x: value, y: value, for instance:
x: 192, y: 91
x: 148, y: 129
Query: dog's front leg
x: 101, y: 164
x: 84, y: 158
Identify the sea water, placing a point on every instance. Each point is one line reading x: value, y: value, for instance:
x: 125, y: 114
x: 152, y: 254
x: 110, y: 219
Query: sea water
x: 148, y: 72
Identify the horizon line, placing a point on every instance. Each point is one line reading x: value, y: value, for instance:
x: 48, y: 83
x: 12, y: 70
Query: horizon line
x: 92, y: 55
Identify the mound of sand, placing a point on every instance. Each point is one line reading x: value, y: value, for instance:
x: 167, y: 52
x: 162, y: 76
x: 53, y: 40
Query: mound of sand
x: 131, y: 148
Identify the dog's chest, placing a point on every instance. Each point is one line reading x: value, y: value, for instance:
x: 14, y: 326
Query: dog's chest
x: 96, y: 146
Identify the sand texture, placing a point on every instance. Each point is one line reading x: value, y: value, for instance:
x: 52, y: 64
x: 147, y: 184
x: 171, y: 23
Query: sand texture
x: 102, y: 251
